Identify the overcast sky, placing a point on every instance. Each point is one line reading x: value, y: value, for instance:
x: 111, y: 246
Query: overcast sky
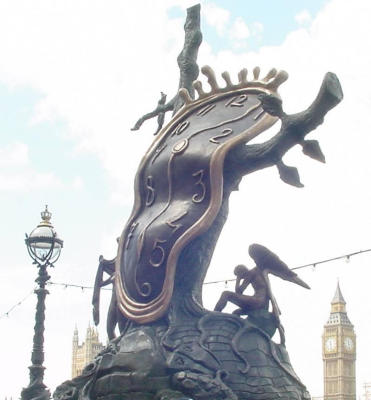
x: 74, y: 77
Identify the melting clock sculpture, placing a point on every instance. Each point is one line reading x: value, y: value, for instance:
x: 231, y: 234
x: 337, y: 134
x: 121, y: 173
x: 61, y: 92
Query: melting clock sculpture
x: 179, y: 188
x: 169, y: 346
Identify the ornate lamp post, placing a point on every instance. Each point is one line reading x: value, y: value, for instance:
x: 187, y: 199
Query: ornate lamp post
x: 44, y: 247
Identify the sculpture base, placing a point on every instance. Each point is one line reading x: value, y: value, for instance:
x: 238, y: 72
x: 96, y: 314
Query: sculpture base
x: 208, y: 356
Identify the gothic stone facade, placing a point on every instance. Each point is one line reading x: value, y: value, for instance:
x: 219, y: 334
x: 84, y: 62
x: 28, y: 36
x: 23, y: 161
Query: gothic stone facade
x: 84, y: 353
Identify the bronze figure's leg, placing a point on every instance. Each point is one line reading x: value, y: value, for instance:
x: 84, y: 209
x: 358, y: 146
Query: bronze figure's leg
x: 243, y: 301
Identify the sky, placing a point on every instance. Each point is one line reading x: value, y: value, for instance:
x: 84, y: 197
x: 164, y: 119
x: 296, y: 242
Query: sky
x: 74, y: 78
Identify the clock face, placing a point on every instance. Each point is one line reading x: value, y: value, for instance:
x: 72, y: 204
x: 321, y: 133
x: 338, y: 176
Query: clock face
x: 330, y: 344
x: 348, y: 343
x: 179, y: 187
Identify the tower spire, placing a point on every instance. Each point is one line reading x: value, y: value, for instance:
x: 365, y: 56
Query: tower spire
x: 338, y: 297
x: 338, y: 308
x: 75, y: 334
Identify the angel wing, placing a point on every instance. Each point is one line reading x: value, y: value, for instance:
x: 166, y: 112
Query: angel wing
x: 268, y: 262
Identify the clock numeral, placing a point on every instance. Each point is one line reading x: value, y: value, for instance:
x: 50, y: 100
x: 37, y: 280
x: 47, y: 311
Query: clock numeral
x: 206, y: 109
x: 158, y: 253
x: 172, y: 222
x: 151, y: 193
x: 131, y: 233
x: 225, y: 132
x: 199, y: 197
x: 237, y: 101
x: 180, y: 128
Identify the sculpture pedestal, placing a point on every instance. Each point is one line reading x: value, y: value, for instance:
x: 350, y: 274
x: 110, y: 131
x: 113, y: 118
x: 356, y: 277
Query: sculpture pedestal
x: 209, y: 356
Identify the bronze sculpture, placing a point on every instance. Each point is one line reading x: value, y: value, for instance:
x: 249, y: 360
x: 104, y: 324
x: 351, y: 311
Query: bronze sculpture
x: 266, y: 262
x: 169, y: 346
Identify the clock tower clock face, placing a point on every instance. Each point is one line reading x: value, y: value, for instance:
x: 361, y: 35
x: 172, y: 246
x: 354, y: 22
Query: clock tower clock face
x: 330, y: 344
x: 348, y: 344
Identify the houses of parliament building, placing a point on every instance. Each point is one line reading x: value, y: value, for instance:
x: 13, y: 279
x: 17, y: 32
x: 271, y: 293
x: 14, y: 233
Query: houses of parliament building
x: 83, y: 354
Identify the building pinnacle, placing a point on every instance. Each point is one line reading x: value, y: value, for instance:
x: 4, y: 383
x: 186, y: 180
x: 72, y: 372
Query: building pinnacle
x: 338, y: 297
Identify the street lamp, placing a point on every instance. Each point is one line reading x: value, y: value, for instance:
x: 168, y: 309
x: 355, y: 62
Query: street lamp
x: 44, y: 247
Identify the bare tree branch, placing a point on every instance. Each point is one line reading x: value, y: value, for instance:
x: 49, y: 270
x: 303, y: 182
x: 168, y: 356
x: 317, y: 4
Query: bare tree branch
x: 246, y: 159
x: 188, y: 68
x: 187, y: 59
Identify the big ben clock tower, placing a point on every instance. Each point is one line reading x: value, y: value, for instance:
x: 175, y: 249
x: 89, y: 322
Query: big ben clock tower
x: 339, y: 352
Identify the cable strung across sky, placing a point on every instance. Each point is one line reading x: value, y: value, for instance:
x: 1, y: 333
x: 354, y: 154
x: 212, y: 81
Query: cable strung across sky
x: 82, y: 287
x: 6, y: 314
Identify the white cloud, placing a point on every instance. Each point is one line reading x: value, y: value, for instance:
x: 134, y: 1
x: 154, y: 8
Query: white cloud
x: 239, y: 29
x: 25, y: 182
x: 257, y: 29
x: 98, y: 79
x: 303, y: 17
x: 18, y: 175
x: 14, y: 155
x: 239, y: 32
x: 77, y: 183
x: 216, y: 16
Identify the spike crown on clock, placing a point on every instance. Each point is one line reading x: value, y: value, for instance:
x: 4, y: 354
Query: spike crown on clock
x: 179, y: 185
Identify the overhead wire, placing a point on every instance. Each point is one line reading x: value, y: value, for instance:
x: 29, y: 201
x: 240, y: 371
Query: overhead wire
x: 82, y: 287
x: 225, y: 281
x: 6, y: 314
x: 313, y: 264
x: 346, y: 257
